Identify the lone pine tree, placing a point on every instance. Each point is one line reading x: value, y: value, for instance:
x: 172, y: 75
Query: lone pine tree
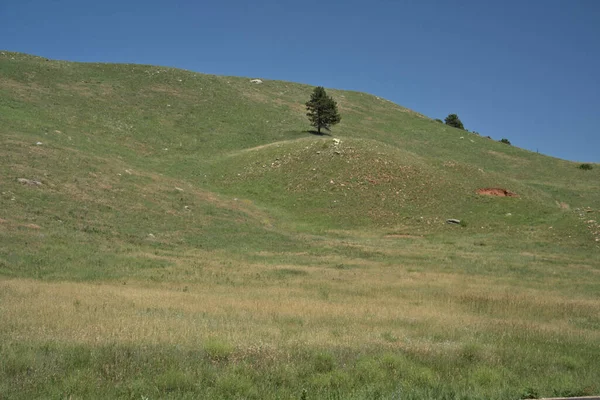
x: 322, y: 110
x: 454, y: 121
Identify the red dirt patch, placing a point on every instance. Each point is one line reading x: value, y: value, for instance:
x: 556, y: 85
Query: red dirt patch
x: 497, y: 192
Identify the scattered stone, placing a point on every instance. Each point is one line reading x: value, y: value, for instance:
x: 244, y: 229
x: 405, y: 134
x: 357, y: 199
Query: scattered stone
x: 128, y: 171
x: 178, y: 189
x: 150, y: 235
x: 508, y: 214
x: 29, y: 182
x: 39, y: 143
x: 453, y: 221
x: 256, y: 81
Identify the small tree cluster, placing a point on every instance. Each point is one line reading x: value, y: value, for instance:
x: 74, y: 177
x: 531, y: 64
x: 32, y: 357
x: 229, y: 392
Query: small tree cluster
x: 322, y: 110
x: 504, y: 140
x: 585, y: 166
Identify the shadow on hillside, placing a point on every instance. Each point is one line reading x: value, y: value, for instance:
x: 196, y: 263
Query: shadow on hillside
x: 313, y: 132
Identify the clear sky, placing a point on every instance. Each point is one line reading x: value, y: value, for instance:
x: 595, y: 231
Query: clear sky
x: 526, y: 70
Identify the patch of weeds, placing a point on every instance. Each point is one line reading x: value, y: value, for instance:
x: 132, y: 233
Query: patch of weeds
x: 530, y: 393
x: 486, y: 376
x: 393, y: 363
x: 341, y: 266
x: 235, y: 386
x: 569, y: 363
x: 324, y: 293
x: 217, y: 350
x: 367, y: 371
x: 289, y: 320
x: 287, y: 272
x: 470, y: 353
x: 570, y: 393
x: 585, y: 166
x: 175, y: 380
x: 389, y: 337
x: 323, y: 362
x: 331, y: 380
x: 463, y: 223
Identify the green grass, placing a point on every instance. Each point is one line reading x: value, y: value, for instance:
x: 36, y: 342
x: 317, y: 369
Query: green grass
x: 191, y: 239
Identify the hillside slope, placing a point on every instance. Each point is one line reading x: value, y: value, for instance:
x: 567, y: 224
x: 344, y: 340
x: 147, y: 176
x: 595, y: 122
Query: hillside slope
x: 393, y: 167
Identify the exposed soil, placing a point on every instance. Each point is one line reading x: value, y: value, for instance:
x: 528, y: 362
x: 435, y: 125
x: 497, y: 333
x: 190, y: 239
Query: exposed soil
x: 497, y: 192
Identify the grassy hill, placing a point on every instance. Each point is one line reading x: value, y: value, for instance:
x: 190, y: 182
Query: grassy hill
x: 187, y: 236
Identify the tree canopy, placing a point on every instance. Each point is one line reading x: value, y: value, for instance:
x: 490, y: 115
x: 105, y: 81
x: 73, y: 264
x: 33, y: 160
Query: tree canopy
x: 322, y: 110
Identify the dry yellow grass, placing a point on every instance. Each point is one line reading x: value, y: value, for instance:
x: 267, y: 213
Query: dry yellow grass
x: 317, y: 307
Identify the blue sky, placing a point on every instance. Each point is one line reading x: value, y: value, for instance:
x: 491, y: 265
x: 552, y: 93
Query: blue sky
x: 523, y: 70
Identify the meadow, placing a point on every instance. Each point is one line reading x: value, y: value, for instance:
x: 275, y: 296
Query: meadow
x: 189, y: 238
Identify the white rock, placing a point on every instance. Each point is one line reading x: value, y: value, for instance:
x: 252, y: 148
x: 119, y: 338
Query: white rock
x: 257, y: 81
x: 39, y: 143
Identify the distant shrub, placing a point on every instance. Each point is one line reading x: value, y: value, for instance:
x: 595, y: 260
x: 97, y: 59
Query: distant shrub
x: 439, y: 120
x: 505, y: 141
x: 585, y: 166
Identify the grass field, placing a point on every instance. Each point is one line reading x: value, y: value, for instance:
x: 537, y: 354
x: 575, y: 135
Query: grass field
x: 189, y: 238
